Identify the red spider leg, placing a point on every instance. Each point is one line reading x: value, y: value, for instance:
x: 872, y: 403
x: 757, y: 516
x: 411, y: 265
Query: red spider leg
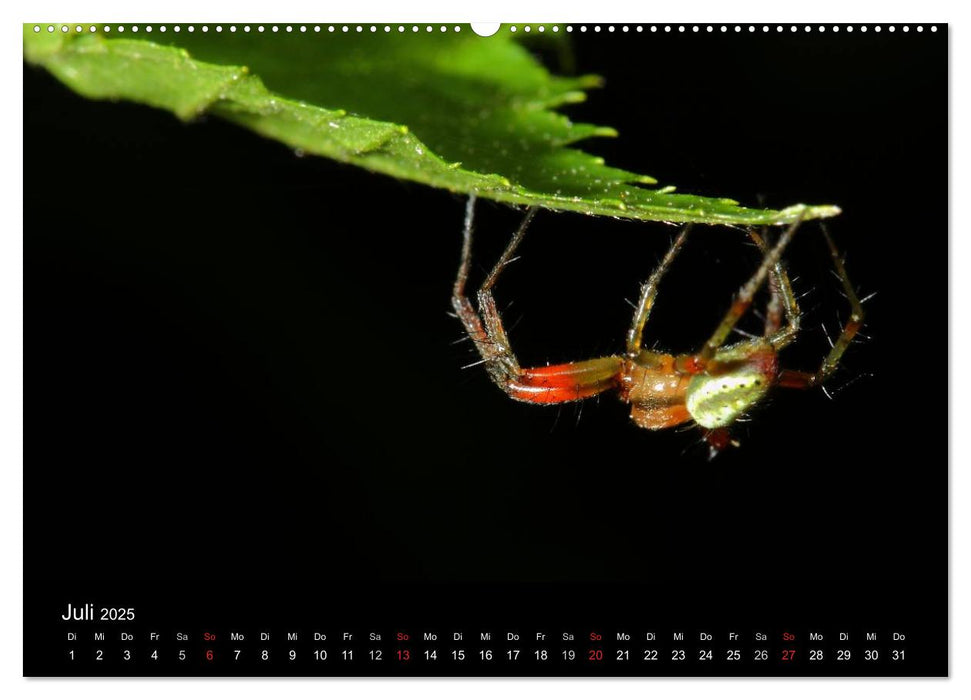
x: 553, y: 384
x: 570, y: 381
x: 801, y: 380
x: 747, y: 294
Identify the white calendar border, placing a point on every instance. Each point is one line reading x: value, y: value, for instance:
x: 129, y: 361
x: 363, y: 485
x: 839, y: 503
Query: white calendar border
x: 710, y: 11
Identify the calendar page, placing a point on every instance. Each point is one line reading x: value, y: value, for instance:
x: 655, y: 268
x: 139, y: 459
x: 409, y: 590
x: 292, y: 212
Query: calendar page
x: 514, y: 350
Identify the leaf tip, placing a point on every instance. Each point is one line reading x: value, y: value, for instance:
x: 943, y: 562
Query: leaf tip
x: 820, y: 211
x: 608, y: 131
x: 590, y: 81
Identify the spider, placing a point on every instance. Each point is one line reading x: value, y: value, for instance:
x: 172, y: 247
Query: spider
x: 712, y: 388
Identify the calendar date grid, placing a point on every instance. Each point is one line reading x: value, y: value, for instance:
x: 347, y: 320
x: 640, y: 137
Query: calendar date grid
x: 403, y: 649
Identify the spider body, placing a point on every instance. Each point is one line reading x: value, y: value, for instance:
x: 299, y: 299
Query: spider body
x: 712, y: 388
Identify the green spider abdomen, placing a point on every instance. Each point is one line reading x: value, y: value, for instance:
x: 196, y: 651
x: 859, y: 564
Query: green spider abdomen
x: 715, y: 401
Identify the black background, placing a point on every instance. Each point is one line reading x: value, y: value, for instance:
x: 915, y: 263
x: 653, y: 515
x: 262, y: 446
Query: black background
x: 242, y: 366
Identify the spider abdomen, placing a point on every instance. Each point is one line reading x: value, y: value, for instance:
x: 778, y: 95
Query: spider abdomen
x: 716, y: 401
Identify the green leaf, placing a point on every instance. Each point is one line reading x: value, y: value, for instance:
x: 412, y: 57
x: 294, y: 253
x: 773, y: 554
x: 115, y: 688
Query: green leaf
x: 447, y: 109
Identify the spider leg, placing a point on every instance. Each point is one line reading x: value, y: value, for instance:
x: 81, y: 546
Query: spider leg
x: 648, y: 294
x: 799, y: 380
x: 747, y: 293
x: 782, y: 304
x: 552, y: 384
x: 460, y: 302
x: 486, y: 331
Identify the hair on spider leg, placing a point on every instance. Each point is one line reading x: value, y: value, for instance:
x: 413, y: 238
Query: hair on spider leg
x: 511, y: 260
x: 508, y: 304
x: 474, y: 364
x: 505, y: 314
x: 812, y: 309
x: 793, y: 281
x: 750, y: 244
x: 843, y: 294
x: 854, y: 380
x: 836, y: 275
x: 745, y: 333
x: 467, y: 338
x: 515, y: 323
x: 805, y: 295
x: 826, y: 334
